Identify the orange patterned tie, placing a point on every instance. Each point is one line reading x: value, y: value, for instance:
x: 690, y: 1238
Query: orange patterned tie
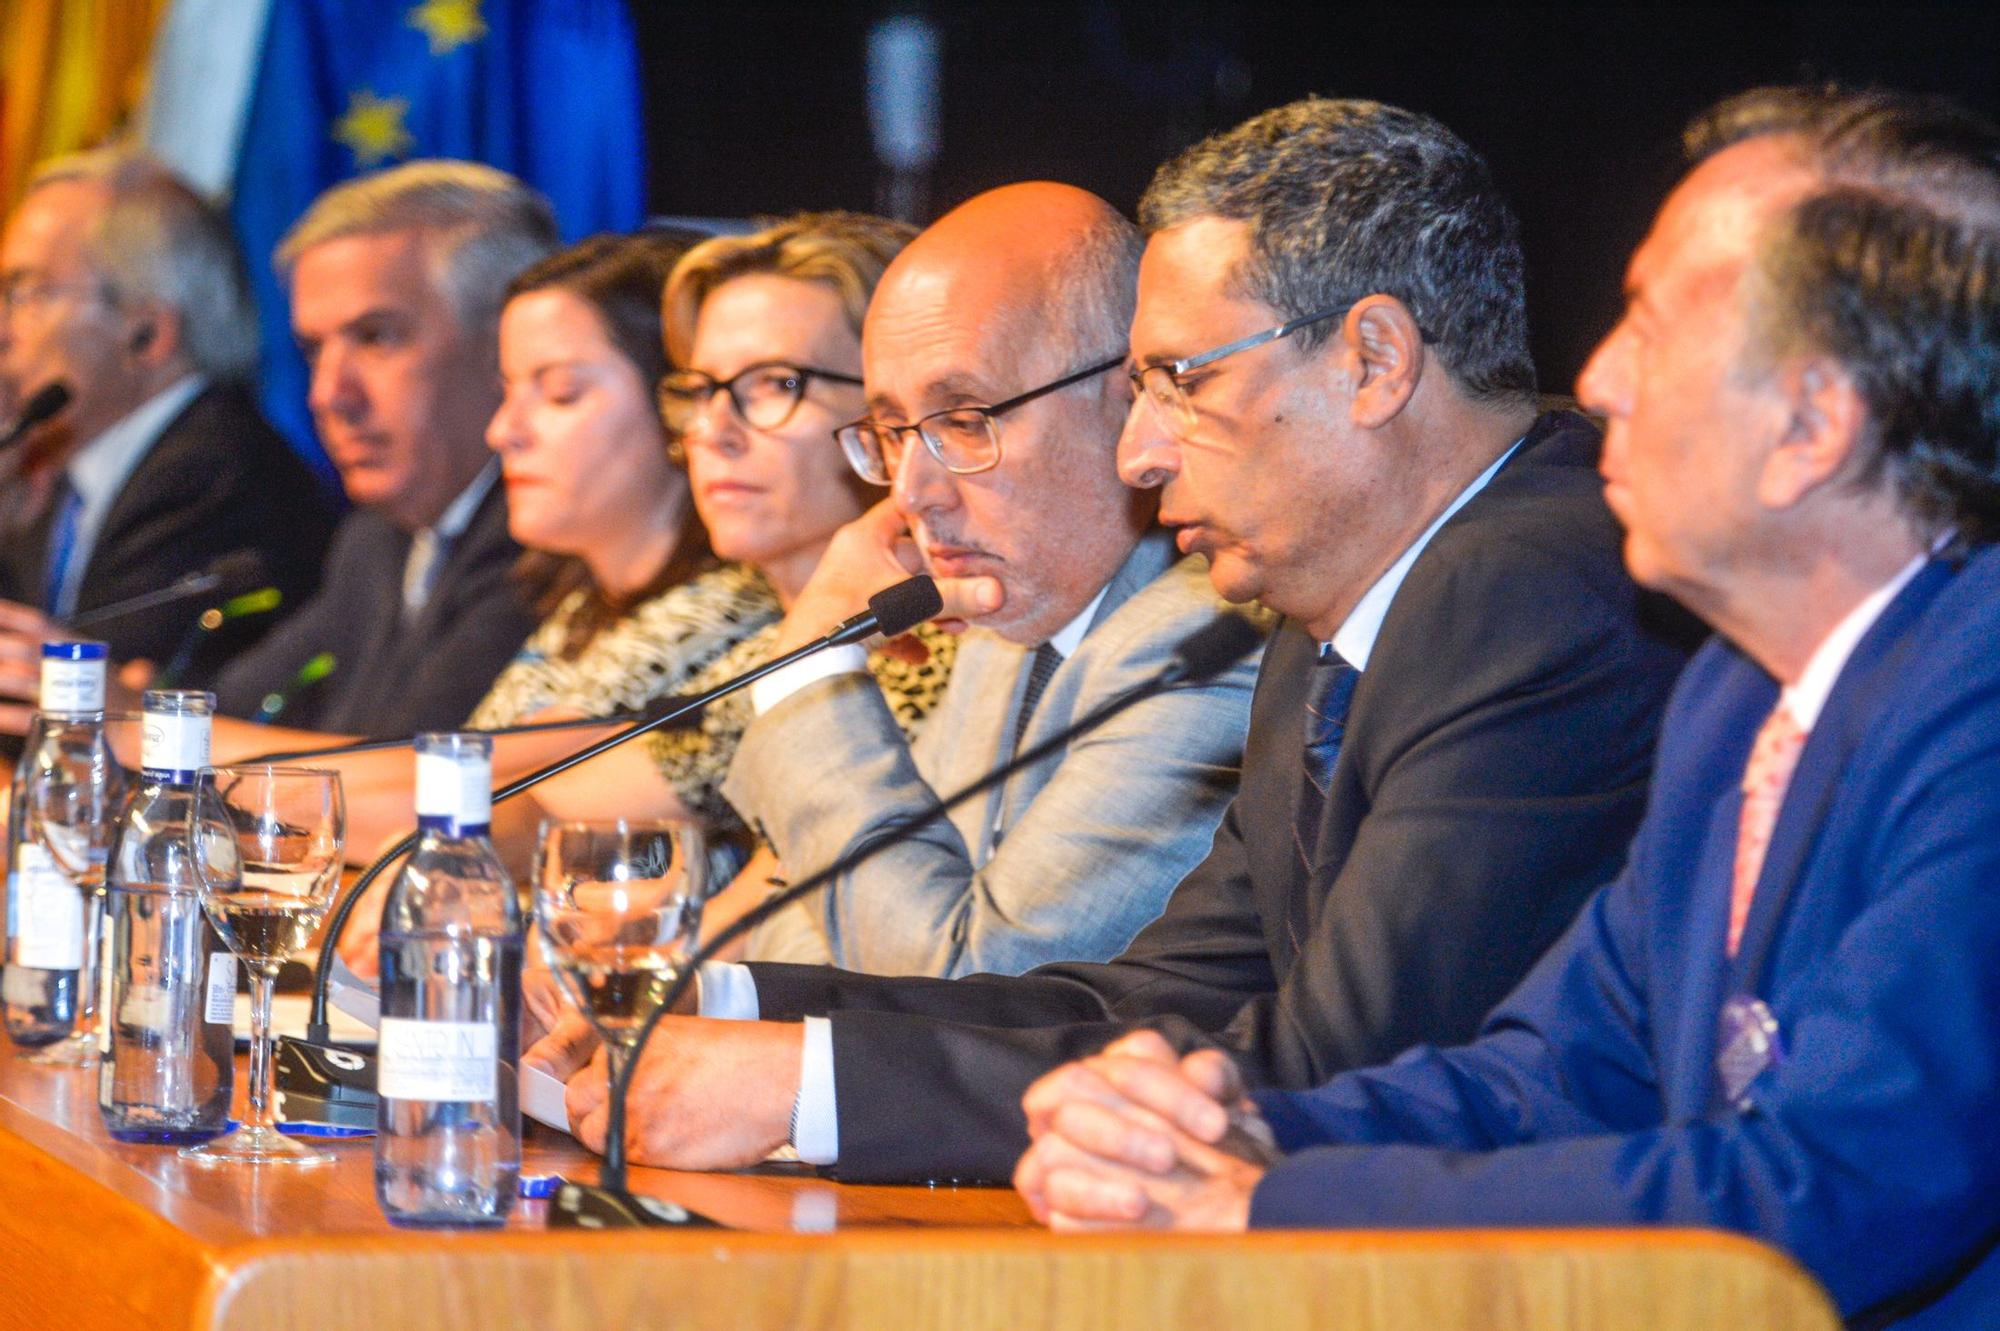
x: 1772, y: 759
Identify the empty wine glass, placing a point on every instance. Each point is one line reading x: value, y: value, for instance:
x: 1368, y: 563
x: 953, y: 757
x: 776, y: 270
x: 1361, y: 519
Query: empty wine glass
x: 267, y: 855
x: 618, y: 910
x: 79, y: 777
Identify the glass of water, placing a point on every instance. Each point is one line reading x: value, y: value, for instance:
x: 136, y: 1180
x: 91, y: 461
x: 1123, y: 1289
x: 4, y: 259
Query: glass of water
x: 79, y: 778
x: 618, y: 910
x: 267, y: 855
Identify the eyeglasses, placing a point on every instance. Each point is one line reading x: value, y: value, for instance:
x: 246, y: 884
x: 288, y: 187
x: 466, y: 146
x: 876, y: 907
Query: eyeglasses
x: 19, y: 290
x: 1160, y: 385
x: 765, y: 394
x: 964, y: 440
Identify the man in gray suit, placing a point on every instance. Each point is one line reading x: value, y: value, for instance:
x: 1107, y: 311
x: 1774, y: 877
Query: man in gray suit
x: 999, y: 450
x: 993, y: 353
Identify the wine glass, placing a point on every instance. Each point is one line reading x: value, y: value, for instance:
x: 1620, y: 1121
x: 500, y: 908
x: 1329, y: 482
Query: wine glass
x: 267, y: 858
x: 618, y: 910
x: 78, y: 784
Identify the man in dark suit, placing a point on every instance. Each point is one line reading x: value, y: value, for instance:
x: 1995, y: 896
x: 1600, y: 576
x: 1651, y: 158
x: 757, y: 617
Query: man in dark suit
x: 1340, y: 414
x: 1783, y: 1018
x: 397, y: 281
x: 119, y: 282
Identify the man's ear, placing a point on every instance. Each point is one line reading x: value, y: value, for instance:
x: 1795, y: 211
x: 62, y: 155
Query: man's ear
x: 1386, y: 351
x: 1821, y: 433
x: 154, y: 334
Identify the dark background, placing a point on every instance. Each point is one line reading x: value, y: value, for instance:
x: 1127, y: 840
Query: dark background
x: 760, y: 107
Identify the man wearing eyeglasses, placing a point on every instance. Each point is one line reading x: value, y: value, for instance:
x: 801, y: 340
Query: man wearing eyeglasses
x: 121, y: 284
x: 1452, y: 730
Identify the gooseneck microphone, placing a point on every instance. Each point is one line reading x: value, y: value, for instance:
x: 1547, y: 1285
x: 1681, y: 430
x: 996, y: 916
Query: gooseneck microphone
x: 1201, y: 656
x: 38, y: 409
x: 891, y: 612
x: 238, y: 569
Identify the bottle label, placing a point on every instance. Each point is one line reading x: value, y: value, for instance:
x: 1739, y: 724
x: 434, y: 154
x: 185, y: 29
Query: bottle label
x: 220, y: 1009
x: 174, y: 745
x: 46, y: 912
x: 72, y: 686
x: 451, y: 1061
x: 456, y: 793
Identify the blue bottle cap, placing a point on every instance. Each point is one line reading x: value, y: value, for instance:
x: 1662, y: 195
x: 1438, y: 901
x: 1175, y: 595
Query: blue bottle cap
x: 535, y: 1187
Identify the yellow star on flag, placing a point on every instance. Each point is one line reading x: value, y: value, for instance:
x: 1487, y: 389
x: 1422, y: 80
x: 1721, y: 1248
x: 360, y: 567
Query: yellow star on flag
x: 373, y: 127
x: 449, y: 24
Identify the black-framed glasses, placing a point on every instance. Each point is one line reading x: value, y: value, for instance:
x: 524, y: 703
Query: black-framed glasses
x: 765, y: 394
x: 964, y: 440
x: 1160, y: 385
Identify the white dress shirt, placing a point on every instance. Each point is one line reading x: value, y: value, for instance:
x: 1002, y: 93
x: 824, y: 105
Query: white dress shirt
x: 1805, y: 697
x: 431, y: 546
x: 99, y: 470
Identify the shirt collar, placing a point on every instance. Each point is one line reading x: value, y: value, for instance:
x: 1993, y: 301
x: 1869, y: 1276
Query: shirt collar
x: 1806, y: 696
x: 457, y: 516
x: 1355, y: 638
x: 99, y: 470
x: 1069, y: 635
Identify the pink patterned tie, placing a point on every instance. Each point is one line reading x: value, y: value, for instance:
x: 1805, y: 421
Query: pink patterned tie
x: 1772, y: 759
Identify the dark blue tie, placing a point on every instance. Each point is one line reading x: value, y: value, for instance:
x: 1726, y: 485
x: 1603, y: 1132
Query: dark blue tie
x: 67, y: 506
x: 1326, y: 724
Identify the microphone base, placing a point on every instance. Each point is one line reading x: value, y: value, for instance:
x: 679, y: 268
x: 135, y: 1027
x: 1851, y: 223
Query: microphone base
x: 326, y: 1084
x: 583, y: 1206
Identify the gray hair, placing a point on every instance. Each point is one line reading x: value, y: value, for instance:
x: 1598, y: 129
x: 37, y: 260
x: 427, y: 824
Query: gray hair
x: 1891, y: 266
x: 1097, y: 274
x: 159, y: 241
x: 1347, y: 199
x: 481, y: 227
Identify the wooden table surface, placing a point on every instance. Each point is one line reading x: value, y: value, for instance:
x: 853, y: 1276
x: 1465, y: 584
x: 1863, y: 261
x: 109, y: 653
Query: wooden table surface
x: 98, y: 1233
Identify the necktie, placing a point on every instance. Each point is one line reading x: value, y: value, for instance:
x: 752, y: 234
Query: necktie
x: 420, y: 570
x: 1772, y: 758
x: 1326, y: 725
x: 1040, y: 670
x: 67, y: 505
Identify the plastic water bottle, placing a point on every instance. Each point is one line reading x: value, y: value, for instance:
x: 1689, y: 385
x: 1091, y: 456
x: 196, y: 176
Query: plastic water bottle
x: 51, y: 922
x: 170, y: 1052
x: 448, y: 1120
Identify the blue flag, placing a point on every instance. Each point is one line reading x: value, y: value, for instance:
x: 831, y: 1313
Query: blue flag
x: 546, y: 89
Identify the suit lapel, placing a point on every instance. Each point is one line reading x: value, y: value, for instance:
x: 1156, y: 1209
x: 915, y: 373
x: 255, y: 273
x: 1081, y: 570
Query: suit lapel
x: 1870, y: 676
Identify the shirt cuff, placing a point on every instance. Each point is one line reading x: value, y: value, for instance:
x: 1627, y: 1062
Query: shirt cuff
x: 774, y: 688
x: 817, y: 1135
x: 727, y: 991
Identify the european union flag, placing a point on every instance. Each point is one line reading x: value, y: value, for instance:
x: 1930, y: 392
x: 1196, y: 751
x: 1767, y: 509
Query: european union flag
x: 546, y: 89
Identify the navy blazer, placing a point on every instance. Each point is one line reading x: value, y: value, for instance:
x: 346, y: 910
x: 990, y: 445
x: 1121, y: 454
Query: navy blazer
x: 1871, y: 1151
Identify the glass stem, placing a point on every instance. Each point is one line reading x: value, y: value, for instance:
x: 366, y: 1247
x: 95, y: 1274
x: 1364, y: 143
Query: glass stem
x: 261, y: 986
x: 93, y: 959
x: 617, y: 1055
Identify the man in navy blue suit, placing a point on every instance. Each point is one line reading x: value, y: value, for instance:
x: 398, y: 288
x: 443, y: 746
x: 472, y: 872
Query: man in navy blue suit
x: 1783, y: 1018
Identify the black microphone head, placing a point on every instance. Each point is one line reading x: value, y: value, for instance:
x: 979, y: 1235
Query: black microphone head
x: 50, y: 400
x: 900, y: 608
x: 1213, y: 648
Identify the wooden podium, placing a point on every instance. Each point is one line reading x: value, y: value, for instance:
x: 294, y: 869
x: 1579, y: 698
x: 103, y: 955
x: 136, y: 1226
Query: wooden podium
x: 98, y: 1234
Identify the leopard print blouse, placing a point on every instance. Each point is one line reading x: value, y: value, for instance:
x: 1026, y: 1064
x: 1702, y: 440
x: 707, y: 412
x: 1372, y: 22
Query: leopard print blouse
x: 660, y: 647
x: 694, y: 760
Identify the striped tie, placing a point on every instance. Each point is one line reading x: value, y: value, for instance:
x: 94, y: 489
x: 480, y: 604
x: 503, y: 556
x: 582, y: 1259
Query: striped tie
x: 1326, y: 724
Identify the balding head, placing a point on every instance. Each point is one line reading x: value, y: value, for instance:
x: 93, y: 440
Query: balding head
x: 1012, y: 290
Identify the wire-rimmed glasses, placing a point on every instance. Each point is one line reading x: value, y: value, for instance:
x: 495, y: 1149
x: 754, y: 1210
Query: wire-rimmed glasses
x: 267, y: 857
x: 1161, y: 387
x: 964, y: 440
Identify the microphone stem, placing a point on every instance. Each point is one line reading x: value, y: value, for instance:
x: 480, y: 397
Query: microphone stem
x: 316, y: 1026
x: 612, y: 1173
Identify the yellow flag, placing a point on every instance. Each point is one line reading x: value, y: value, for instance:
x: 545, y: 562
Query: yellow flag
x: 71, y: 72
